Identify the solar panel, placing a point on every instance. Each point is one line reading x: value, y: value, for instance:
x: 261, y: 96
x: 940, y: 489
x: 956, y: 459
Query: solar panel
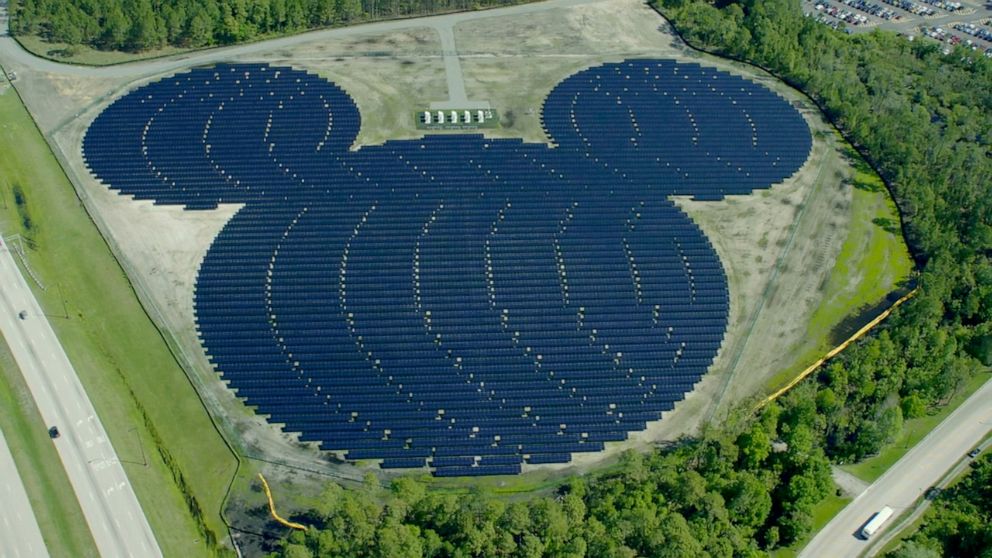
x: 455, y: 301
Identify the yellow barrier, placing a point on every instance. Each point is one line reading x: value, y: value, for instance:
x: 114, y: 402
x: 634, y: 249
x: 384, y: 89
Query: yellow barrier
x: 272, y: 508
x: 857, y: 335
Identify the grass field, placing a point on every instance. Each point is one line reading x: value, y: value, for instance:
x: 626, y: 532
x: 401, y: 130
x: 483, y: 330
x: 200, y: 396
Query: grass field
x: 912, y: 432
x: 145, y: 401
x: 873, y: 258
x: 52, y: 499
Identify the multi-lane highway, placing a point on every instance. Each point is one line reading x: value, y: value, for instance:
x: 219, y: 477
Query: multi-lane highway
x: 20, y: 536
x: 906, y: 481
x: 105, y: 495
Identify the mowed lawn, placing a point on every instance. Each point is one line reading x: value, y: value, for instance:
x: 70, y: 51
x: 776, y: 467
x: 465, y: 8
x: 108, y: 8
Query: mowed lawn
x: 38, y: 464
x: 144, y: 399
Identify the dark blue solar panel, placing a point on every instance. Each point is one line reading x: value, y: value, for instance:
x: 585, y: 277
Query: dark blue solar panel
x: 456, y: 301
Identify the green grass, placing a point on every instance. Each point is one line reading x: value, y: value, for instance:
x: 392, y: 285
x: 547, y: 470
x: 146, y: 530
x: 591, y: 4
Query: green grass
x: 873, y: 261
x: 822, y: 513
x: 144, y: 399
x: 38, y: 464
x: 81, y: 54
x: 912, y: 432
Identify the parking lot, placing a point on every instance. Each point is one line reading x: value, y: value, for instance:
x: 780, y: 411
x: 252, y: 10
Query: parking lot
x: 967, y: 23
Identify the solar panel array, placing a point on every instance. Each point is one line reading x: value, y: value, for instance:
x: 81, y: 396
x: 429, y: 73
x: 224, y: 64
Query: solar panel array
x: 457, y: 302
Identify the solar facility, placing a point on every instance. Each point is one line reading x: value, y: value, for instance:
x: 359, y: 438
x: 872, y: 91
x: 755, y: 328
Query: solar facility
x: 455, y: 302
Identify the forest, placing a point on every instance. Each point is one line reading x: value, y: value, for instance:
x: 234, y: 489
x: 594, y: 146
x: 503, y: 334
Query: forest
x: 139, y: 25
x: 960, y: 521
x: 923, y: 120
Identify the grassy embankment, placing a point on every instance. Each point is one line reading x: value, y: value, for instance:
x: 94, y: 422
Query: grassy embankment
x: 38, y: 464
x: 872, y: 262
x: 145, y: 401
x: 82, y: 54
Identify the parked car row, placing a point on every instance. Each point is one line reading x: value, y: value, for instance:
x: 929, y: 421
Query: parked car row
x: 847, y: 16
x: 975, y: 31
x: 876, y: 10
x: 949, y: 6
x: 943, y: 36
x: 832, y: 23
x: 912, y: 7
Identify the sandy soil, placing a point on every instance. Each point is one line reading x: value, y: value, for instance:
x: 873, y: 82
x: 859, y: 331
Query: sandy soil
x: 513, y: 62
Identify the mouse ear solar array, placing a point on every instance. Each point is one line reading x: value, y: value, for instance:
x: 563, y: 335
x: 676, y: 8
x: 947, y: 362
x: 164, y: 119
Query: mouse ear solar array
x: 455, y: 302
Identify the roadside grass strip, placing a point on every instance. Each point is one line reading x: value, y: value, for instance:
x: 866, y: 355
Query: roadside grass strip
x: 177, y: 462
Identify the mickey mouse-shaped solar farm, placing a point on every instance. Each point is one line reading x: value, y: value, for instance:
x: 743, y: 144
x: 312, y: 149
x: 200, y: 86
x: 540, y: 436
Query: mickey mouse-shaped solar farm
x: 455, y: 301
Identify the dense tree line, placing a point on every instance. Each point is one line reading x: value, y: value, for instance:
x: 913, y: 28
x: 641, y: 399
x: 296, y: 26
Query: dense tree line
x: 137, y: 25
x: 728, y: 493
x: 960, y: 521
x: 924, y: 120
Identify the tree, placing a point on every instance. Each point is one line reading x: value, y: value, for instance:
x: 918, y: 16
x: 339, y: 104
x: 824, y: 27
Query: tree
x: 117, y: 27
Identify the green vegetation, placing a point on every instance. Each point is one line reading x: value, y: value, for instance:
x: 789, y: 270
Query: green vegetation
x: 960, y: 521
x: 873, y: 257
x: 146, y: 403
x: 75, y: 28
x: 822, y: 513
x: 727, y: 494
x: 38, y: 464
x: 83, y: 54
x: 913, y: 430
x: 923, y: 120
x: 753, y: 484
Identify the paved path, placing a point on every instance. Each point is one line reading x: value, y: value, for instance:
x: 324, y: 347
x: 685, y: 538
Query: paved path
x: 906, y: 481
x: 457, y: 99
x: 20, y: 536
x: 850, y: 484
x: 108, y: 502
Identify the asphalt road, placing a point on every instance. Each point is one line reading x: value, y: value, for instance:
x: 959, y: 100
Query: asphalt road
x: 108, y: 502
x: 20, y: 536
x: 906, y: 481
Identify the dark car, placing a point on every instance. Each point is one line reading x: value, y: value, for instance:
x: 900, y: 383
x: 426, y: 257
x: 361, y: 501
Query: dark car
x: 932, y: 493
x: 974, y: 453
x: 53, y: 432
x: 23, y: 314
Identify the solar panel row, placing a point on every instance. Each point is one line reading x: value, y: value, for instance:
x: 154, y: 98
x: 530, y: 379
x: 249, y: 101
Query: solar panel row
x: 455, y: 301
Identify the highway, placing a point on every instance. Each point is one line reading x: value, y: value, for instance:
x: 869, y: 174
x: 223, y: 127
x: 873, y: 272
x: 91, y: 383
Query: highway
x: 906, y: 481
x: 20, y: 536
x: 105, y: 495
